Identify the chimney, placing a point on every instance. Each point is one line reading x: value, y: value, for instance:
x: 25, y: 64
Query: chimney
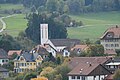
x: 90, y: 64
x: 81, y: 71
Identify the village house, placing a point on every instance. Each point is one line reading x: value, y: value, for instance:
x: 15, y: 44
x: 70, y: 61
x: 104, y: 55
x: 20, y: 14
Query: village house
x: 41, y: 50
x: 3, y: 57
x: 4, y: 73
x: 113, y: 65
x: 88, y: 68
x: 111, y: 38
x: 27, y: 62
x: 79, y: 48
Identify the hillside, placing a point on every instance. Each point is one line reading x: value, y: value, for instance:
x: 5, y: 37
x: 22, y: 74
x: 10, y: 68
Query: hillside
x: 94, y: 25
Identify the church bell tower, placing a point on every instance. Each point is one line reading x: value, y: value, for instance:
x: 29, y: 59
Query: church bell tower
x: 44, y: 33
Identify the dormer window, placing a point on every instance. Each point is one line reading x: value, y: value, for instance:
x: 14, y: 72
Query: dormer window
x: 109, y: 35
x: 21, y: 58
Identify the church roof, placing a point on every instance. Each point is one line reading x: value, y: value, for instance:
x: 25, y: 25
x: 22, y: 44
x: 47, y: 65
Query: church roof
x: 65, y: 42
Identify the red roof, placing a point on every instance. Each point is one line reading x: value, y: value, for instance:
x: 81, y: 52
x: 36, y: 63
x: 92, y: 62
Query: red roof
x: 76, y: 60
x: 82, y: 47
x: 114, y: 30
x: 110, y: 52
x: 86, y: 65
x: 11, y: 52
x: 83, y: 69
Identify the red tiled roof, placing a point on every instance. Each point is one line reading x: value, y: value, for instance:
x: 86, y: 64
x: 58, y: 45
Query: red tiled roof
x: 11, y: 52
x: 110, y: 52
x: 40, y: 49
x: 76, y: 60
x: 114, y: 30
x: 83, y: 69
x: 82, y: 47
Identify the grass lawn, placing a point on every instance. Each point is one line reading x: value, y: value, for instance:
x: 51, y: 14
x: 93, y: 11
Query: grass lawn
x: 11, y: 6
x: 94, y: 25
x: 15, y: 24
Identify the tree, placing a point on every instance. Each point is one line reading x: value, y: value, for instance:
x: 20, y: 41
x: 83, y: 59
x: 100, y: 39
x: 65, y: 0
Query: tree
x: 117, y: 75
x: 58, y: 60
x: 52, y: 5
x: 19, y: 77
x: 28, y: 76
x: 7, y: 43
x: 58, y: 77
x: 118, y: 52
x: 75, y: 6
x: 41, y: 78
x: 95, y: 50
x: 56, y: 29
x: 48, y: 72
x: 26, y: 44
x: 9, y: 66
x: 13, y: 56
x: 63, y: 70
x: 48, y: 64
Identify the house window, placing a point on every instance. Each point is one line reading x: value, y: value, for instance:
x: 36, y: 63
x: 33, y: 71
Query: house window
x: 27, y: 63
x: 34, y: 63
x: 21, y: 58
x: 30, y: 63
x: 83, y: 77
x: 3, y: 61
x: 73, y: 77
x: 66, y: 53
x: 78, y: 77
x: 112, y: 45
x: 6, y: 60
x: 106, y: 45
x: 116, y: 45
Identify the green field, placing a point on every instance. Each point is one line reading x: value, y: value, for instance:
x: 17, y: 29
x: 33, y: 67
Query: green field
x: 0, y: 25
x: 10, y: 6
x: 94, y: 25
x: 15, y: 24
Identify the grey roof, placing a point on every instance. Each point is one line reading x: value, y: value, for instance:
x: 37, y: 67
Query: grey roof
x: 65, y: 42
x: 3, y: 54
x: 3, y: 70
x: 29, y: 57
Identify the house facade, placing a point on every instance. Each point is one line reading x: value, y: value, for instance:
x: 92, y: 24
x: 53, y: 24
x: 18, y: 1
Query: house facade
x: 113, y: 65
x: 3, y: 57
x: 27, y: 62
x: 88, y: 68
x: 111, y: 38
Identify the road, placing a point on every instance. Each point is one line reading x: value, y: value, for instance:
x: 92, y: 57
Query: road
x: 3, y: 23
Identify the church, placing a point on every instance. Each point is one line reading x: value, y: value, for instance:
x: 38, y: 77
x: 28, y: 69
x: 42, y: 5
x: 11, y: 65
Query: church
x: 55, y: 46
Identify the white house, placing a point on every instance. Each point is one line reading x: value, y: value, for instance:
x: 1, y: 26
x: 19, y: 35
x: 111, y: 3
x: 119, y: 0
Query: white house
x: 111, y: 38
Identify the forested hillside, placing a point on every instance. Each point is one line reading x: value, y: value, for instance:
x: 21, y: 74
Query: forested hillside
x: 71, y: 6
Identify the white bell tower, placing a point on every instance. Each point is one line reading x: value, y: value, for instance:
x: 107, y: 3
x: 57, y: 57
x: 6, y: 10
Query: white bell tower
x: 44, y: 33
